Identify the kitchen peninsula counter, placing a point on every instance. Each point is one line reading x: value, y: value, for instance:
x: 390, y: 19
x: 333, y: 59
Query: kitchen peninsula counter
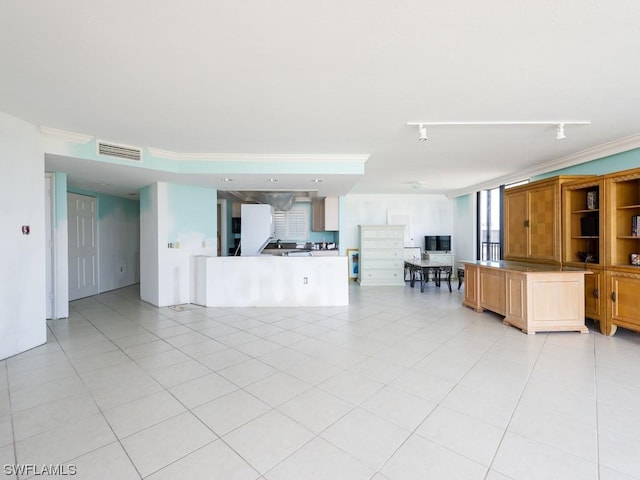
x: 270, y: 281
x: 533, y: 297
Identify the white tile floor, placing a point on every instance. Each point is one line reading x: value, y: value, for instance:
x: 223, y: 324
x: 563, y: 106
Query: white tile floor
x: 399, y: 385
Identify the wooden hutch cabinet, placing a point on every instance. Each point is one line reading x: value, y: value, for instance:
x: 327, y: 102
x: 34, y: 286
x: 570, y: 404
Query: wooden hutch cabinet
x: 532, y: 221
x: 599, y: 236
x: 583, y: 244
x: 622, y: 246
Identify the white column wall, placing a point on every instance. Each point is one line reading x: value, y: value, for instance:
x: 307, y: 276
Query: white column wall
x: 174, y: 279
x: 149, y: 243
x: 22, y: 266
x: 465, y: 232
x: 185, y: 218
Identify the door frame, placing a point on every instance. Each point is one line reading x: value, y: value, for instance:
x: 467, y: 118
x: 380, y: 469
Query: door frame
x: 222, y: 222
x: 50, y: 239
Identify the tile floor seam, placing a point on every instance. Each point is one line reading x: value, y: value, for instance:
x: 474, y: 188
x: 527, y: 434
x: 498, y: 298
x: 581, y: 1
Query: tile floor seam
x: 447, y: 336
x: 117, y: 439
x: 506, y: 428
x: 414, y: 431
x: 13, y: 431
x: 174, y: 461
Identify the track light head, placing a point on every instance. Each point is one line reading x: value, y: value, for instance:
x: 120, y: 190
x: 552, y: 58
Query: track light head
x: 560, y: 132
x: 423, y: 133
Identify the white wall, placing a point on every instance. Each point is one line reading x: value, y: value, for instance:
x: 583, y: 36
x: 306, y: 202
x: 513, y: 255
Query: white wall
x: 268, y: 281
x: 149, y: 244
x: 22, y: 265
x: 465, y: 231
x: 118, y: 242
x: 428, y: 215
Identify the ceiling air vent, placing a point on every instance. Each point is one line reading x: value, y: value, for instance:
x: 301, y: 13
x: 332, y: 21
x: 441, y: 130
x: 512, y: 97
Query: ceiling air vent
x: 119, y: 151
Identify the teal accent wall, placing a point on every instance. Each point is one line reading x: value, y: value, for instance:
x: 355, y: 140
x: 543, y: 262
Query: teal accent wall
x: 108, y: 204
x: 601, y: 166
x: 145, y: 199
x: 192, y: 209
x: 463, y: 202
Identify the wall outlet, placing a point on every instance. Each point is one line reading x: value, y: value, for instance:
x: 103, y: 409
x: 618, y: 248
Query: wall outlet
x: 176, y: 245
x: 305, y: 280
x: 204, y: 244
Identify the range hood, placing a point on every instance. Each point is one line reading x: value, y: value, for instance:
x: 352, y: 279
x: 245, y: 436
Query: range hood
x: 281, y: 201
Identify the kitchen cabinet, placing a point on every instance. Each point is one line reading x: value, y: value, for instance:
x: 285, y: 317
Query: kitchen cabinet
x: 381, y: 255
x: 532, y: 219
x: 324, y: 214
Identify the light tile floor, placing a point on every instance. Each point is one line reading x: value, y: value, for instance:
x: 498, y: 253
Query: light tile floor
x: 399, y: 385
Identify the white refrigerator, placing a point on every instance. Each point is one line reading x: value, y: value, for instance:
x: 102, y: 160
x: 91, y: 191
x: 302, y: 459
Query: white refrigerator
x: 256, y: 228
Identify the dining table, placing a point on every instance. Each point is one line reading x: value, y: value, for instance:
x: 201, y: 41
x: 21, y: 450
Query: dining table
x: 422, y: 270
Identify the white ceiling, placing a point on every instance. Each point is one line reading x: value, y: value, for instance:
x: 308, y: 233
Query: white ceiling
x: 336, y: 77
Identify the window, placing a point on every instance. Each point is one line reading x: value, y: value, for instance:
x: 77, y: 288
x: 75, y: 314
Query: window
x: 292, y: 224
x: 489, y: 224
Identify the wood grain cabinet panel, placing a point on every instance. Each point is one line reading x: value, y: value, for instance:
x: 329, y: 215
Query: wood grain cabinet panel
x: 532, y: 297
x: 532, y: 219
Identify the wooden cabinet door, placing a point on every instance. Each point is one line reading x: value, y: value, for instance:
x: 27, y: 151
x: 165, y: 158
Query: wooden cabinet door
x: 543, y: 223
x: 594, y: 294
x: 492, y: 290
x: 515, y: 221
x: 317, y: 215
x: 624, y: 301
x: 472, y: 287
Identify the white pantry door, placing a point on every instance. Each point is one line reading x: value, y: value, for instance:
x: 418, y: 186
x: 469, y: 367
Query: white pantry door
x: 83, y: 248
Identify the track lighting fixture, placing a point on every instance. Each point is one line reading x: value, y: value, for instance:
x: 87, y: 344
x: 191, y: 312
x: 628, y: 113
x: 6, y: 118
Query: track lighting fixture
x: 422, y: 129
x: 423, y: 133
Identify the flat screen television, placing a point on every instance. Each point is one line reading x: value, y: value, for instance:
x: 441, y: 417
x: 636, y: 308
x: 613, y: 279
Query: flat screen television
x: 437, y: 243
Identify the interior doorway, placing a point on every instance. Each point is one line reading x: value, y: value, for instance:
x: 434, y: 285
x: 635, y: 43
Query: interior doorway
x: 83, y: 246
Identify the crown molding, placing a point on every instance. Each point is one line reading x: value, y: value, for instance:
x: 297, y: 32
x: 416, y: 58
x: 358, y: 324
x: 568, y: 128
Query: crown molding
x: 258, y: 157
x: 72, y: 137
x: 595, y: 153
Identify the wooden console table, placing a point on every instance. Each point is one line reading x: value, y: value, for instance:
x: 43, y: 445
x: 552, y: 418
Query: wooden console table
x: 532, y: 297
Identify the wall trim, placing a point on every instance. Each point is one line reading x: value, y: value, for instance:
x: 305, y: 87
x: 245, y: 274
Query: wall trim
x: 72, y: 137
x: 257, y: 157
x: 599, y: 151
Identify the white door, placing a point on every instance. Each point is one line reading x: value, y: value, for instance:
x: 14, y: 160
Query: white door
x: 83, y: 248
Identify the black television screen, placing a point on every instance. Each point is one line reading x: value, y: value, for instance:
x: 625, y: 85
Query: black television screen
x: 443, y: 242
x: 437, y: 243
x: 430, y: 243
